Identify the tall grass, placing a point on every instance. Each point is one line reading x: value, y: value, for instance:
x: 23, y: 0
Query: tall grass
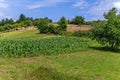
x: 46, y: 46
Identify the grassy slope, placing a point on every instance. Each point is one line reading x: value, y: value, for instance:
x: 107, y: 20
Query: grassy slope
x: 87, y: 65
x: 83, y: 65
x: 30, y: 34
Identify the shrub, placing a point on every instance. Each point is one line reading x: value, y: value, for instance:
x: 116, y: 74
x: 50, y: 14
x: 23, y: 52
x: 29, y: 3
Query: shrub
x: 52, y: 29
x: 63, y: 24
x: 8, y: 27
x: 81, y: 33
x: 43, y: 25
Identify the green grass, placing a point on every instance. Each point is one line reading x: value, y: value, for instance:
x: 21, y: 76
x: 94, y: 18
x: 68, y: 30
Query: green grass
x: 85, y: 65
x: 75, y: 61
x: 24, y: 35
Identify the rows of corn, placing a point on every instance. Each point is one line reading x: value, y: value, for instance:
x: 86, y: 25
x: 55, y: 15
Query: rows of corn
x: 17, y: 48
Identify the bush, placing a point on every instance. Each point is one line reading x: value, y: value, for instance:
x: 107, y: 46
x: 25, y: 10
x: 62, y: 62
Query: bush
x: 64, y: 33
x: 6, y: 27
x: 78, y: 20
x: 2, y: 28
x: 82, y: 33
x: 52, y: 29
x: 43, y: 25
x: 63, y: 23
x: 19, y: 25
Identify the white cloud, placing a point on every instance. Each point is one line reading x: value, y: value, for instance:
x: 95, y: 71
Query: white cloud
x: 117, y: 4
x: 1, y: 14
x: 103, y: 6
x: 2, y: 0
x: 9, y: 17
x: 4, y: 5
x: 45, y: 3
x: 81, y: 4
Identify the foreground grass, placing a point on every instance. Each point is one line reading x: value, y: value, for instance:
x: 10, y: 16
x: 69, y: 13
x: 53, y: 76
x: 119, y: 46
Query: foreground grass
x: 85, y: 65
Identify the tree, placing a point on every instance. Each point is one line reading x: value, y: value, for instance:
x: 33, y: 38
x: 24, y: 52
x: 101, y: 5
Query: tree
x: 109, y: 34
x: 28, y: 23
x: 22, y: 18
x: 6, y: 21
x: 43, y: 25
x: 50, y: 20
x: 78, y: 20
x: 2, y: 22
x: 11, y: 21
x: 63, y: 23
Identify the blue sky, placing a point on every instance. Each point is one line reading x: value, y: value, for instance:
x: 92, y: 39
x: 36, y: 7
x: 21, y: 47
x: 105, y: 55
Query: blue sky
x: 55, y: 9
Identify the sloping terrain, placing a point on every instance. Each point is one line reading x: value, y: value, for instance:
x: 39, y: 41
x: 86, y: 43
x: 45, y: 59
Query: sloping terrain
x: 88, y: 64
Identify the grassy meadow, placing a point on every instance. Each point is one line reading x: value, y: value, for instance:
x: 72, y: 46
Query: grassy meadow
x: 27, y: 55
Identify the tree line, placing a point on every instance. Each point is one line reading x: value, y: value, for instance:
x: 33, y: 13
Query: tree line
x: 23, y: 21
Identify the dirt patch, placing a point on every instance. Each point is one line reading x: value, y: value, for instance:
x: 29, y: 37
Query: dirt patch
x: 77, y: 28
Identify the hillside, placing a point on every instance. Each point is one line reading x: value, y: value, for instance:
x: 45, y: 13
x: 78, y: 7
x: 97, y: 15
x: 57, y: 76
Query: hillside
x: 24, y: 34
x: 77, y: 60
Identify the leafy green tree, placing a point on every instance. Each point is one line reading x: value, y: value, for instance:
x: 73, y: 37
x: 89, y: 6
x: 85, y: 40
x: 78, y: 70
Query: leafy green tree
x: 78, y: 20
x: 8, y: 27
x: 36, y: 21
x: 2, y: 22
x: 109, y: 33
x: 6, y: 21
x: 11, y: 21
x: 16, y: 25
x: 28, y: 23
x: 43, y: 25
x: 22, y: 17
x: 50, y: 20
x: 63, y: 23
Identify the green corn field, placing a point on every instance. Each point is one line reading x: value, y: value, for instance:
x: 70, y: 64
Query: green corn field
x: 46, y: 46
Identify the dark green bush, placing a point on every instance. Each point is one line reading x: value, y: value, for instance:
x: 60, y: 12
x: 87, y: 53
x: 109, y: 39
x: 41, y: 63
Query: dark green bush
x: 63, y: 24
x: 52, y: 29
x: 82, y: 33
x: 43, y: 25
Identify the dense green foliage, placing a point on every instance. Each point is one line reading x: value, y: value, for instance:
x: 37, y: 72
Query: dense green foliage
x: 82, y: 33
x: 109, y: 34
x: 9, y: 24
x: 45, y: 26
x: 78, y: 20
x: 96, y: 23
x: 43, y: 46
x: 63, y: 23
x: 6, y: 21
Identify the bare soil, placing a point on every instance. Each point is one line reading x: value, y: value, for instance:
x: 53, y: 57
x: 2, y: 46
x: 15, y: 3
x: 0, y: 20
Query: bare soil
x: 72, y: 28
